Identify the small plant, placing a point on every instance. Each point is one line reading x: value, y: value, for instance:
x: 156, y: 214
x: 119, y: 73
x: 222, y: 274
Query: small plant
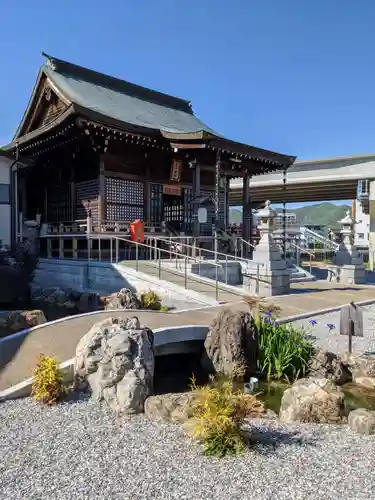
x: 164, y: 308
x: 284, y: 352
x: 151, y: 300
x: 48, y: 385
x: 218, y: 413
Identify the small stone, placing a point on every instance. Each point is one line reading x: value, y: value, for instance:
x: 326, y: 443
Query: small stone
x: 326, y: 364
x: 362, y: 421
x: 362, y: 368
x: 368, y: 382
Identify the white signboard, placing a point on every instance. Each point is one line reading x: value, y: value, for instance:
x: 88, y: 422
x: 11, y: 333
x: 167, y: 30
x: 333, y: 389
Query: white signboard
x: 202, y: 215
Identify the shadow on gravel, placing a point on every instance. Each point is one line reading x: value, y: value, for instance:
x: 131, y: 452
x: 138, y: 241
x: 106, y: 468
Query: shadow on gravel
x: 267, y: 441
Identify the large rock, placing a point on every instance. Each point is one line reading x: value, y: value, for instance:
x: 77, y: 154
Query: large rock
x: 115, y: 360
x: 362, y: 421
x: 315, y: 400
x: 231, y: 344
x: 124, y: 299
x: 362, y: 368
x: 15, y: 321
x: 326, y: 364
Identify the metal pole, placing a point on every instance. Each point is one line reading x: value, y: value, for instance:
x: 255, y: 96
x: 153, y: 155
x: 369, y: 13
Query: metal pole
x: 226, y: 269
x: 136, y: 256
x: 351, y: 334
x: 185, y: 277
x: 100, y: 249
x: 217, y: 194
x: 217, y: 284
x: 284, y: 212
x: 159, y: 264
x: 111, y: 249
x: 117, y: 249
x: 257, y: 282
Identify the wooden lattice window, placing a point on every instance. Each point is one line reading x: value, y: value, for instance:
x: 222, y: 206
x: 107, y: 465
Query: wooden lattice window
x: 124, y: 199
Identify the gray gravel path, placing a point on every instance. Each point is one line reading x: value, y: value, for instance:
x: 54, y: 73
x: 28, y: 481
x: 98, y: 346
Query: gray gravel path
x: 332, y: 340
x: 79, y: 450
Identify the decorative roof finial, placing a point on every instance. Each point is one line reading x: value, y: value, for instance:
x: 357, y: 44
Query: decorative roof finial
x: 267, y: 204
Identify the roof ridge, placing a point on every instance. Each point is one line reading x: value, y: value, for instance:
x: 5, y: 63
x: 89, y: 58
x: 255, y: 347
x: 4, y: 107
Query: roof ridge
x: 118, y: 84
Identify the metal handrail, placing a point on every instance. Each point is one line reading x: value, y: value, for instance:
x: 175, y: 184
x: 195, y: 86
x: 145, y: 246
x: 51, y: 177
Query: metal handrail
x: 247, y: 261
x: 178, y: 256
x: 235, y: 258
x: 303, y: 249
x: 321, y: 238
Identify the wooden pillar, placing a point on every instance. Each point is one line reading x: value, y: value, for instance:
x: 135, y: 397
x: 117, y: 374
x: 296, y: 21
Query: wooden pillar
x: 217, y: 199
x: 147, y: 197
x: 196, y: 194
x: 73, y: 194
x: 102, y: 215
x: 246, y: 208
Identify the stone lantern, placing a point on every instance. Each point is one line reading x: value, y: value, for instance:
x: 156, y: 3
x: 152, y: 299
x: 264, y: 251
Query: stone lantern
x: 347, y: 264
x: 268, y: 264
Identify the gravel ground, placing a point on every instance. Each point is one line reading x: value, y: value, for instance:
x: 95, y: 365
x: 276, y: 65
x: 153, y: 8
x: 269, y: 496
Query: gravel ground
x: 79, y: 450
x: 332, y: 340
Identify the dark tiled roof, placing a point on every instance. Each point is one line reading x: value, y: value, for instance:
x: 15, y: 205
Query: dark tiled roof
x: 121, y: 100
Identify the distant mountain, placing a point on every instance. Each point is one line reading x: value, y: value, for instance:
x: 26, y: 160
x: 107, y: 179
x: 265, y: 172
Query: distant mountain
x: 327, y: 214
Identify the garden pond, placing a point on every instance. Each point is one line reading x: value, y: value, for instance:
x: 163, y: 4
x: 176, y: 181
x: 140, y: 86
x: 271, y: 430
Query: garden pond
x: 182, y: 366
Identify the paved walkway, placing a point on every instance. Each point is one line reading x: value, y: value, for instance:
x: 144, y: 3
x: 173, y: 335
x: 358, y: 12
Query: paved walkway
x: 18, y: 356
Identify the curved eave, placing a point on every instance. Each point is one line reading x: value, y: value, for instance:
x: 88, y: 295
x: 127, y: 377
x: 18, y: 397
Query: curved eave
x: 23, y: 140
x: 216, y: 142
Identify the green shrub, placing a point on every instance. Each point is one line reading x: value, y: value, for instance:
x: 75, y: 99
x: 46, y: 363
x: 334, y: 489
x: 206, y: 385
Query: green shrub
x: 48, y: 384
x: 164, y: 308
x: 151, y: 300
x: 284, y: 352
x: 218, y: 413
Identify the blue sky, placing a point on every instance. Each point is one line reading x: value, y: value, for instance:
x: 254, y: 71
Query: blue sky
x: 288, y: 75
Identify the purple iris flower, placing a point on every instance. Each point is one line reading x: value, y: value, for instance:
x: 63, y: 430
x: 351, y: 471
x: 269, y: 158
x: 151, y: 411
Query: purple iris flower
x: 267, y: 319
x: 269, y: 314
x: 313, y: 322
x: 330, y: 326
x: 276, y: 324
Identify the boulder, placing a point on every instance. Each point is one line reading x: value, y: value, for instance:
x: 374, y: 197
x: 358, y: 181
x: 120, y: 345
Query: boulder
x: 15, y: 321
x: 362, y: 368
x: 362, y: 421
x: 231, y: 344
x: 115, y: 361
x: 315, y: 400
x: 171, y: 407
x: 177, y: 408
x: 326, y: 364
x: 124, y: 299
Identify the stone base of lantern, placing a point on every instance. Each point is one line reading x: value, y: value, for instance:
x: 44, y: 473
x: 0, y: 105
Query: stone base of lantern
x: 347, y: 274
x: 271, y: 282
